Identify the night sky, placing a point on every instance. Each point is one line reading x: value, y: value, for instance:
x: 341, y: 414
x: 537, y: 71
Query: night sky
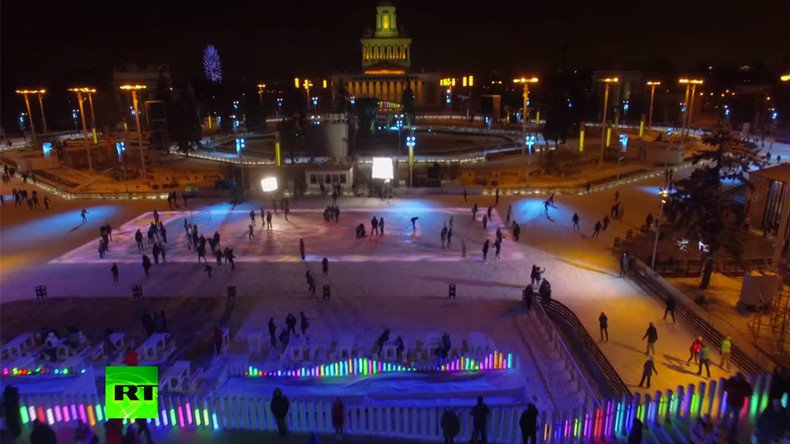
x: 47, y: 43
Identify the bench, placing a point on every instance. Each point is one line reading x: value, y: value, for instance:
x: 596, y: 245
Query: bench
x: 156, y: 348
x: 179, y: 378
x: 18, y: 347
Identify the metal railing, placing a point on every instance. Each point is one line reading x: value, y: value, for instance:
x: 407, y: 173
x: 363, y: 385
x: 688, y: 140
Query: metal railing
x: 558, y: 310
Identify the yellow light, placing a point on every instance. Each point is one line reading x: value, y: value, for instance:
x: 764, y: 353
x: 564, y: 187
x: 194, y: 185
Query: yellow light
x: 84, y: 89
x: 261, y: 85
x: 691, y: 81
x: 296, y: 82
x: 453, y: 82
x: 785, y: 78
x: 653, y: 83
x: 31, y: 91
x: 463, y: 81
x: 471, y: 80
x: 324, y: 83
x: 526, y: 80
x: 385, y: 72
x: 133, y: 87
x: 610, y: 80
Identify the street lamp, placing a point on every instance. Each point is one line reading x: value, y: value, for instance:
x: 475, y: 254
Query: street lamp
x: 525, y: 81
x: 240, y: 145
x: 89, y: 92
x: 528, y: 142
x: 662, y: 194
x: 261, y: 87
x: 25, y: 93
x: 133, y: 89
x: 652, y: 84
x: 411, y: 141
x: 607, y: 81
x: 690, y: 83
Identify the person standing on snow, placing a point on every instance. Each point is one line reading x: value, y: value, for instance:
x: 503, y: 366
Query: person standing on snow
x: 652, y: 336
x: 647, y: 372
x: 603, y: 323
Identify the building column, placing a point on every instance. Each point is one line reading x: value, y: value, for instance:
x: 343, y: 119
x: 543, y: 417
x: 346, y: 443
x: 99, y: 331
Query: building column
x: 419, y: 99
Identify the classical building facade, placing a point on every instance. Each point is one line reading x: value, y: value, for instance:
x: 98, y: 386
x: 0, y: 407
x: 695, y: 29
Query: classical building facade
x: 386, y: 67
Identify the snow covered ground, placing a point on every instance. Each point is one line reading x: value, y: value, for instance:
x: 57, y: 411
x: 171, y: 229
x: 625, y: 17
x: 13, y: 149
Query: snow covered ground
x: 398, y: 280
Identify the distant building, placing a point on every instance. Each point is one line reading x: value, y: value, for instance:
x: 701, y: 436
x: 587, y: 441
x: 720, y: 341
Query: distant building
x: 386, y: 67
x: 132, y: 74
x: 769, y: 192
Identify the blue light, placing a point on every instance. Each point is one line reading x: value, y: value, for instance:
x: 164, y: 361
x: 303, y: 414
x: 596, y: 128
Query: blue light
x: 774, y: 115
x: 74, y: 114
x: 22, y: 118
x: 529, y: 141
x: 47, y: 147
x: 353, y: 100
x: 447, y: 99
x: 624, y: 140
x: 120, y: 147
x: 132, y: 111
x: 240, y: 145
x: 626, y: 105
x: 315, y: 101
x: 279, y: 103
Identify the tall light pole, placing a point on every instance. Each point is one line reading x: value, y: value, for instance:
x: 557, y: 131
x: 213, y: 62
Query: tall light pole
x: 133, y: 89
x: 525, y: 82
x: 25, y: 93
x: 79, y: 91
x: 411, y: 141
x: 261, y: 87
x: 652, y: 84
x: 93, y: 115
x: 240, y: 145
x: 607, y: 81
x: 691, y: 88
x: 662, y: 193
x: 40, y: 95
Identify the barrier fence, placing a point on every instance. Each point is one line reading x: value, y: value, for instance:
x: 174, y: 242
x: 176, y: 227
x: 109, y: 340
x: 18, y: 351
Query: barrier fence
x: 665, y: 414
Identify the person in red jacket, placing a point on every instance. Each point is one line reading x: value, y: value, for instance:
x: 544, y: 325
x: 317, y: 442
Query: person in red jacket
x: 338, y: 416
x: 696, y: 346
x: 131, y: 357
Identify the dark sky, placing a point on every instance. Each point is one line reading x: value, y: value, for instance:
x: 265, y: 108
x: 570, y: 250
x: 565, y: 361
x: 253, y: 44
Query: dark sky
x: 45, y: 43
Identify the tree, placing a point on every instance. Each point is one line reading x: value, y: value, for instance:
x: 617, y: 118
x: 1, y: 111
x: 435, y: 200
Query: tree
x: 697, y: 205
x: 342, y: 101
x: 407, y: 102
x: 185, y: 124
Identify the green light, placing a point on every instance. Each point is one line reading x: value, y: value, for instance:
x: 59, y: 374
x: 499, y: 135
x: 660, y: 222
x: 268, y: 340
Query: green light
x: 173, y: 417
x: 99, y: 416
x: 23, y: 414
x: 205, y: 417
x: 197, y: 417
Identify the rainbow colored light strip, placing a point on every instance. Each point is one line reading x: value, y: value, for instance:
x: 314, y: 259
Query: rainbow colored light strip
x: 16, y: 371
x: 349, y: 367
x: 492, y: 361
x: 370, y: 367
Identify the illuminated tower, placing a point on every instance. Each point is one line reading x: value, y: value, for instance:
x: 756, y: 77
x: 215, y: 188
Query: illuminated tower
x: 385, y: 51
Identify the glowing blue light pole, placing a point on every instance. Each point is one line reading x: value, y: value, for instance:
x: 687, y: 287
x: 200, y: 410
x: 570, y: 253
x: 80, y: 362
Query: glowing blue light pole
x: 279, y: 106
x: 240, y: 145
x: 624, y: 144
x: 529, y: 141
x: 120, y: 148
x: 315, y: 104
x: 411, y: 141
x: 74, y: 118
